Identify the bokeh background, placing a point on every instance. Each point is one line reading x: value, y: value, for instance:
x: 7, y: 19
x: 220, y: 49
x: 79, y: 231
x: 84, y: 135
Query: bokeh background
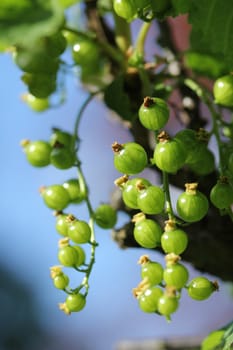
x: 29, y: 316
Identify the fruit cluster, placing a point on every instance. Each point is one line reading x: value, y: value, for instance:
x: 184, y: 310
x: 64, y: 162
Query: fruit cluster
x: 160, y: 289
x: 76, y: 233
x: 40, y: 65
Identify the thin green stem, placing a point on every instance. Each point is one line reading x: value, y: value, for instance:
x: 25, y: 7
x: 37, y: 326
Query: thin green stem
x: 80, y: 114
x: 168, y: 203
x: 122, y: 34
x: 85, y: 191
x: 141, y: 38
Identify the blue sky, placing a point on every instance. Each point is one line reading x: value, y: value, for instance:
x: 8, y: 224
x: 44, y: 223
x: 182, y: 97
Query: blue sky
x: 29, y: 240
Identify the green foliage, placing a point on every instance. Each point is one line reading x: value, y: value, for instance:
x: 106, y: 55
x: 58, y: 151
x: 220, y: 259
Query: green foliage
x: 221, y: 339
x: 212, y: 27
x: 116, y: 98
x: 22, y: 22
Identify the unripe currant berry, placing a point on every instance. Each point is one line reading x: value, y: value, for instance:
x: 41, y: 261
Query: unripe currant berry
x: 192, y: 205
x: 130, y: 191
x: 203, y: 163
x: 37, y: 152
x: 223, y: 90
x: 200, y: 288
x: 105, y: 216
x: 221, y: 195
x: 75, y: 302
x: 147, y: 232
x: 174, y: 240
x: 62, y: 157
x: 148, y: 301
x: 81, y: 255
x: 61, y: 281
x: 61, y: 137
x: 175, y: 275
x: 151, y: 200
x: 76, y: 194
x: 129, y: 158
x: 35, y: 103
x: 169, y: 154
x: 125, y: 9
x: 62, y: 224
x: 68, y: 256
x: 153, y: 113
x: 151, y: 271
x: 55, y: 197
x: 79, y: 231
x: 167, y: 304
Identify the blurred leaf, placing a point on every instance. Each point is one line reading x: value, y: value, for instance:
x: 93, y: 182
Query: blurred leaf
x: 22, y: 22
x: 205, y: 64
x: 180, y: 6
x: 68, y: 3
x: 221, y: 339
x: 116, y: 98
x: 212, y: 28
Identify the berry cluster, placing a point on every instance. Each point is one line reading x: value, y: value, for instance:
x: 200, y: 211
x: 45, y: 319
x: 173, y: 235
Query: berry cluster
x: 40, y: 65
x: 76, y: 233
x: 160, y: 288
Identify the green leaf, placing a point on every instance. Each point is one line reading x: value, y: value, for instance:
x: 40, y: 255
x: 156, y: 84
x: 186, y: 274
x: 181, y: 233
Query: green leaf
x: 212, y: 28
x: 116, y: 98
x: 213, y: 340
x: 180, y: 6
x: 68, y: 3
x: 205, y: 65
x: 24, y: 21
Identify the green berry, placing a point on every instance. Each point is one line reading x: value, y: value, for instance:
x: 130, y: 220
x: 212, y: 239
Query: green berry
x: 62, y: 224
x: 105, y: 216
x: 130, y: 191
x: 223, y: 90
x: 221, y: 195
x: 174, y: 241
x: 167, y: 305
x: 62, y: 157
x: 37, y: 152
x: 169, y: 154
x: 192, y: 205
x: 129, y: 158
x: 152, y: 271
x: 68, y: 256
x: 151, y: 200
x: 55, y: 197
x: 153, y: 113
x: 147, y: 233
x: 200, y: 288
x: 81, y: 255
x: 125, y: 9
x: 79, y: 232
x: 35, y: 103
x: 72, y: 186
x: 148, y: 301
x: 75, y: 302
x: 176, y: 275
x: 61, y: 281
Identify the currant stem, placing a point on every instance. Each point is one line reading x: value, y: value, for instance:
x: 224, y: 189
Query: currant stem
x: 141, y: 38
x: 168, y: 203
x: 123, y: 34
